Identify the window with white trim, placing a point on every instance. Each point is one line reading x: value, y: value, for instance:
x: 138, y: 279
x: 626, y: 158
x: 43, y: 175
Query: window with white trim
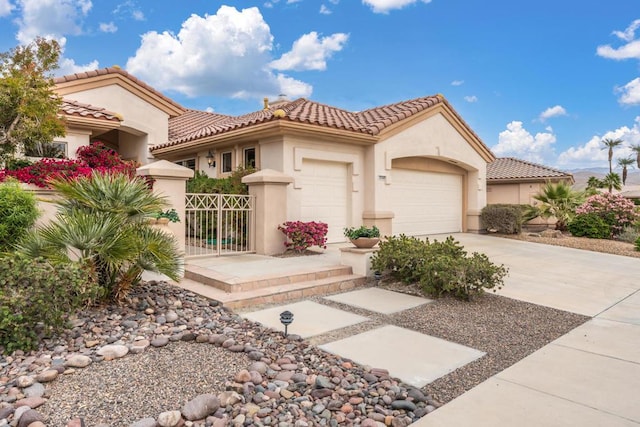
x: 250, y: 157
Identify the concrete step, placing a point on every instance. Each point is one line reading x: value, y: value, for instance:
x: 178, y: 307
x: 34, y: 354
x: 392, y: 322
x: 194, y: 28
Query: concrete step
x: 235, y: 284
x: 276, y: 293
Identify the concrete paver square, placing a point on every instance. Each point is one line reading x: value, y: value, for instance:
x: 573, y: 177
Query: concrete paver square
x: 415, y: 358
x: 604, y: 383
x: 498, y: 403
x: 605, y: 337
x: 309, y: 318
x: 379, y: 300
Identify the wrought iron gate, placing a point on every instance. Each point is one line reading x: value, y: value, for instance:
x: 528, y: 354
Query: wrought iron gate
x: 219, y: 224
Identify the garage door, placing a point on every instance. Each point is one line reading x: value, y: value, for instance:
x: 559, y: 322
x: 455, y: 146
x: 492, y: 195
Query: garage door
x: 426, y: 202
x: 324, y: 195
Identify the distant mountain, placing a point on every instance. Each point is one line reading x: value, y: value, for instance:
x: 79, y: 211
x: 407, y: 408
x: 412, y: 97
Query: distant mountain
x: 582, y: 176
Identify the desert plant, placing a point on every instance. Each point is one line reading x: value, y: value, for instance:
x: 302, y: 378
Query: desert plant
x: 625, y: 163
x: 590, y: 225
x: 363, y: 231
x: 610, y: 144
x: 303, y: 235
x: 18, y: 213
x: 615, y: 210
x: 636, y: 149
x: 629, y: 234
x: 502, y: 218
x: 559, y: 201
x: 439, y: 267
x: 37, y: 297
x: 612, y: 181
x: 101, y: 222
x: 170, y: 214
x: 638, y: 244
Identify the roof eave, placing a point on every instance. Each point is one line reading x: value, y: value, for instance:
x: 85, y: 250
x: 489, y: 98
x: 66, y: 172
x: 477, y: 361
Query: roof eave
x: 91, y: 122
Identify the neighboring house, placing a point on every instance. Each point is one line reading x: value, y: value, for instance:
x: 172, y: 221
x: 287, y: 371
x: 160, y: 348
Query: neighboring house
x: 412, y: 167
x: 515, y: 181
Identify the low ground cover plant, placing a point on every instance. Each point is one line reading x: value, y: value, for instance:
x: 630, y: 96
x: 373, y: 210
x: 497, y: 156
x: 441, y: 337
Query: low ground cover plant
x: 439, y: 267
x: 302, y: 235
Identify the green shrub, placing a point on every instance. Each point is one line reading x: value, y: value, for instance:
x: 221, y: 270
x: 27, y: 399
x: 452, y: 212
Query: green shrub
x: 503, y: 218
x: 638, y: 244
x: 590, y: 225
x: 37, y: 297
x: 439, y: 267
x: 201, y: 183
x: 629, y: 234
x: 18, y: 213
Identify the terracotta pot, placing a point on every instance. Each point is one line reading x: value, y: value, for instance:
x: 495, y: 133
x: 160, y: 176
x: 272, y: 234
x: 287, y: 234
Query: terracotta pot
x: 365, y: 242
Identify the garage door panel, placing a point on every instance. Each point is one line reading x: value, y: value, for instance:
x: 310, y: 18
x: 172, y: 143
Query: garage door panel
x: 325, y: 195
x: 426, y: 202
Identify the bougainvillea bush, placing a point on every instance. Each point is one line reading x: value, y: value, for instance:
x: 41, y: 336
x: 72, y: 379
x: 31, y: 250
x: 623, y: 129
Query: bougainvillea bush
x: 94, y: 157
x: 302, y: 235
x: 614, y: 209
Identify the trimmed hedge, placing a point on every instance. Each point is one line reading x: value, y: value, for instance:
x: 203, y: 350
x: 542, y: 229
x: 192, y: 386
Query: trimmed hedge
x: 590, y: 225
x: 504, y: 218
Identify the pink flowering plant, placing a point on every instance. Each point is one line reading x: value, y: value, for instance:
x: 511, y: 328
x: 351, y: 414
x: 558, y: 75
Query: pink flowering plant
x: 91, y: 157
x: 614, y: 209
x: 302, y: 235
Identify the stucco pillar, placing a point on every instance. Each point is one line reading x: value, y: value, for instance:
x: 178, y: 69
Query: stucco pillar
x: 170, y: 182
x: 381, y: 219
x: 269, y: 187
x: 476, y: 199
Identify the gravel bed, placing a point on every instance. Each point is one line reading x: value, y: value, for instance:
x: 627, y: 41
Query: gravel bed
x: 607, y: 246
x: 122, y: 391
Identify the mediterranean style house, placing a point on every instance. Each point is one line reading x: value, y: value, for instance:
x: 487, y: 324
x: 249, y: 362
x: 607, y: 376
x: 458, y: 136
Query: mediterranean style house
x: 413, y: 167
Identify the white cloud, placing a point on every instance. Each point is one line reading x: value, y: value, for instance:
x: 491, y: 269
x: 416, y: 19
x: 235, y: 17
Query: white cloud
x: 629, y: 50
x: 109, y: 27
x: 226, y: 54
x: 471, y: 98
x: 384, y: 6
x: 138, y: 15
x: 310, y: 53
x: 50, y: 18
x: 630, y: 92
x: 5, y: 8
x: 129, y: 8
x: 555, y: 111
x: 457, y: 83
x: 324, y: 10
x: 591, y: 153
x: 516, y: 141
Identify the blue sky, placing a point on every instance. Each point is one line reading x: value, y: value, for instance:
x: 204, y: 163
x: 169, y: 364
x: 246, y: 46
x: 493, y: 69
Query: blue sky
x: 543, y: 81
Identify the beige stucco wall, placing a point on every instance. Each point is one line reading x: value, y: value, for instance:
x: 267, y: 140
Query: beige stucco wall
x: 514, y: 193
x: 436, y: 138
x: 140, y: 117
x: 75, y: 138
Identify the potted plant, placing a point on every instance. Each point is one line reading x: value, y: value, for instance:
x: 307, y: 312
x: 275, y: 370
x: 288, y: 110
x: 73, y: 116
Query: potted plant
x: 363, y: 237
x: 165, y: 217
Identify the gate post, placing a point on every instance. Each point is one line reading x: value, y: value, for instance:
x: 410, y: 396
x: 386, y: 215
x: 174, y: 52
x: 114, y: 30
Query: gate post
x: 170, y: 181
x: 269, y: 187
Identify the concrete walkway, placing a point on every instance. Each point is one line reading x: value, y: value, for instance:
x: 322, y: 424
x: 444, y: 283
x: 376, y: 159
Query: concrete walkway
x: 588, y: 377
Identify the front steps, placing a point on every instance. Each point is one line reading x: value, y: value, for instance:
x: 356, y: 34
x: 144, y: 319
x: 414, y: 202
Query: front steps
x: 238, y: 293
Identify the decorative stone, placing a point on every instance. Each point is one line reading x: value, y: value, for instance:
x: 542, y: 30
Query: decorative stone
x: 35, y: 390
x: 113, y: 351
x: 25, y: 381
x: 243, y: 376
x: 169, y: 418
x: 28, y: 417
x: 47, y: 376
x: 229, y: 398
x: 160, y: 341
x: 145, y: 422
x: 403, y: 404
x: 78, y: 361
x: 200, y: 407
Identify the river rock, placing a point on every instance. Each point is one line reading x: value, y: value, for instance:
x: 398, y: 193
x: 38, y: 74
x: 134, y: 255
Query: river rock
x: 113, y: 351
x: 78, y: 361
x: 47, y: 376
x: 169, y: 419
x: 200, y: 407
x: 145, y: 422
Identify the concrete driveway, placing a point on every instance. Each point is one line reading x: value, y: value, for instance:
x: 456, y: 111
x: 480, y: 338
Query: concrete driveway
x: 588, y: 377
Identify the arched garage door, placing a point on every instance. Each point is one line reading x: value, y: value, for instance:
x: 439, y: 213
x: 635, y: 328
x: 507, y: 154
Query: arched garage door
x: 325, y: 195
x: 426, y: 202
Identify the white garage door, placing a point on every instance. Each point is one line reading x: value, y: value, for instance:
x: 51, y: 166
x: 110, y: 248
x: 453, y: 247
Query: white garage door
x: 426, y: 202
x: 324, y: 195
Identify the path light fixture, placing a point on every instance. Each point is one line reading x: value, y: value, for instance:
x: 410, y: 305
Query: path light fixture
x: 286, y: 318
x: 377, y: 275
x: 211, y: 159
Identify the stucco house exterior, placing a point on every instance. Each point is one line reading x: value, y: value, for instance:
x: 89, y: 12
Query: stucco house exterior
x: 412, y: 167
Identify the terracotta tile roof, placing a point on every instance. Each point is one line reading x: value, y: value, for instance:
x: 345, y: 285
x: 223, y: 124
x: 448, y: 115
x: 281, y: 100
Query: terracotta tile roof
x: 198, y: 125
x: 75, y: 108
x: 509, y: 168
x: 114, y: 70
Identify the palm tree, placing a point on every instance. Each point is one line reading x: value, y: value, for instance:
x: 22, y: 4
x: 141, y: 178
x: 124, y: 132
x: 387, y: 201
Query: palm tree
x: 611, y: 144
x: 612, y: 180
x: 636, y: 149
x: 102, y: 222
x: 560, y: 201
x: 625, y: 162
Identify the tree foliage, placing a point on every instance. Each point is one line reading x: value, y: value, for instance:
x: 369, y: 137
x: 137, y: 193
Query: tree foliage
x: 29, y: 113
x: 610, y: 144
x: 560, y: 201
x: 625, y: 162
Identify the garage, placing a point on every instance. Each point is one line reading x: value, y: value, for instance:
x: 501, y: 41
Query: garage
x: 426, y: 202
x: 324, y: 197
